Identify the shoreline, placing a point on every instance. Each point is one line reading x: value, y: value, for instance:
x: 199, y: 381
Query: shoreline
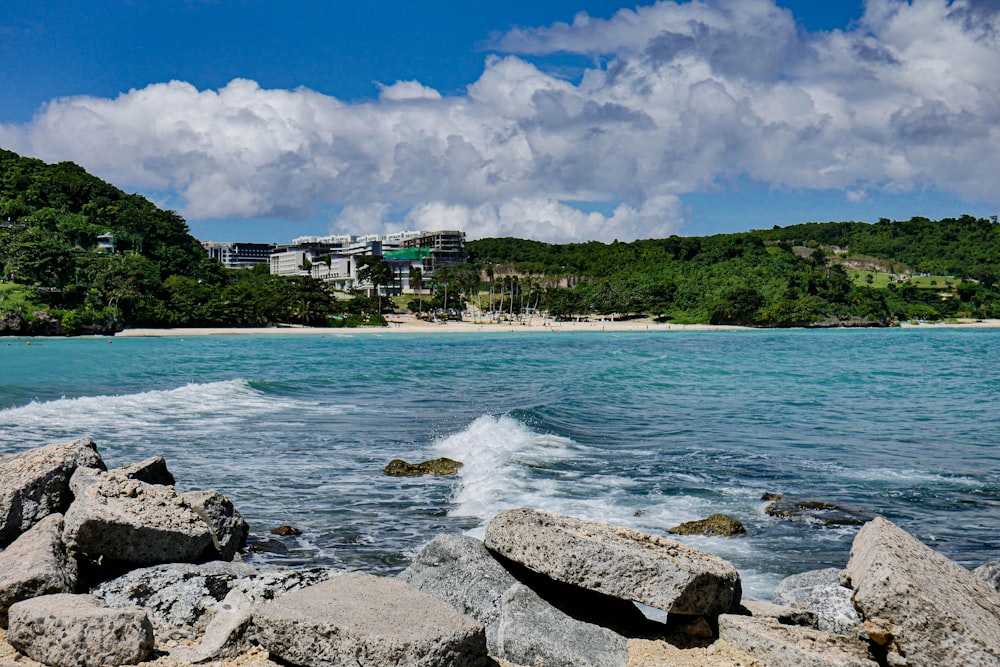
x: 407, y: 324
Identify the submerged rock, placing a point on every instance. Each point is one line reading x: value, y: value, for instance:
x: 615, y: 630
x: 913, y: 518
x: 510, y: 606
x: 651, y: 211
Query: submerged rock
x: 617, y: 561
x: 804, y: 509
x: 285, y: 531
x: 716, y: 524
x: 437, y: 467
x: 926, y: 607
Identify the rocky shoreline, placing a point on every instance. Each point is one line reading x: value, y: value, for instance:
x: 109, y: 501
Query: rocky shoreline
x: 114, y: 567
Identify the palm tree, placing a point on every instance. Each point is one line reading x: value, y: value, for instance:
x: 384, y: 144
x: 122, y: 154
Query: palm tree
x: 504, y: 281
x: 417, y: 281
x: 378, y: 272
x: 491, y: 277
x: 469, y: 281
x: 513, y: 291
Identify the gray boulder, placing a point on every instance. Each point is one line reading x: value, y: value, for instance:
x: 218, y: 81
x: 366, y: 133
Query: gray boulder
x: 930, y: 609
x: 229, y: 530
x: 152, y: 471
x: 990, y: 573
x: 780, y: 613
x: 775, y: 644
x: 531, y: 631
x: 182, y: 596
x: 135, y: 522
x: 820, y: 591
x: 35, y: 483
x: 617, y: 561
x: 36, y: 564
x: 520, y: 626
x: 75, y: 631
x: 363, y: 620
x: 460, y: 571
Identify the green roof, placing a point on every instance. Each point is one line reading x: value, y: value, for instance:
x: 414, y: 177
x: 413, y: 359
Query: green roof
x: 408, y: 253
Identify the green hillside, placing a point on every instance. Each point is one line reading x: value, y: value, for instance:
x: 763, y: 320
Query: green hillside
x: 57, y: 279
x: 804, y: 275
x: 78, y: 255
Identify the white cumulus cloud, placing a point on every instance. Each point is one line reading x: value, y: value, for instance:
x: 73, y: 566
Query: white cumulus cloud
x: 682, y: 97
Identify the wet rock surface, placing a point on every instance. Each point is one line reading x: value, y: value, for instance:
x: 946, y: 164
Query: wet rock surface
x: 716, y: 524
x: 438, y: 467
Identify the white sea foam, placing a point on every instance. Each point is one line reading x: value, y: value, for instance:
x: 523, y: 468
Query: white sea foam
x: 508, y: 464
x: 199, y: 409
x: 501, y: 456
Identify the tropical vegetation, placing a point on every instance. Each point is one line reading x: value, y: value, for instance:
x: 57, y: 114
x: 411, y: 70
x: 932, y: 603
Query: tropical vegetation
x: 78, y: 255
x: 53, y: 218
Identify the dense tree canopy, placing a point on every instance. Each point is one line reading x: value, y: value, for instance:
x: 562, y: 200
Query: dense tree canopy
x: 793, y: 276
x: 53, y: 215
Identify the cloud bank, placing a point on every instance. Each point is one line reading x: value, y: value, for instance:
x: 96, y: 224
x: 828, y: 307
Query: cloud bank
x: 681, y: 98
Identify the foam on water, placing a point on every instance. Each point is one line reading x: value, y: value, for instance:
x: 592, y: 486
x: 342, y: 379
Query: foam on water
x: 636, y: 430
x: 508, y: 464
x: 195, y: 410
x: 502, y: 459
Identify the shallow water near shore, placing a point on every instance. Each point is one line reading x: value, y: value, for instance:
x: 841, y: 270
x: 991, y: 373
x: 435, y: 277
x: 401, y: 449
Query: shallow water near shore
x: 639, y: 429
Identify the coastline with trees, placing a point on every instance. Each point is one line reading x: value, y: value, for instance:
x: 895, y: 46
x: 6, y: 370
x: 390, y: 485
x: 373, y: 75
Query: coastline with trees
x: 61, y: 277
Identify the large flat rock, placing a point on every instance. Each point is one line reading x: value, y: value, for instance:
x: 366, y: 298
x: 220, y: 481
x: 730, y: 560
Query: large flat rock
x: 775, y: 644
x: 35, y: 483
x: 181, y: 595
x: 36, y: 564
x: 617, y: 561
x: 939, y: 613
x: 131, y: 521
x: 366, y: 621
x: 76, y: 631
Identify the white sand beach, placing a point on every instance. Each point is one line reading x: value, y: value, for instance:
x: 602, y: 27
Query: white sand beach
x: 408, y: 324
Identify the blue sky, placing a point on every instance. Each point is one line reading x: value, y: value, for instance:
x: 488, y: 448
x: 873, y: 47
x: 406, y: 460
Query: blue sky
x: 559, y: 120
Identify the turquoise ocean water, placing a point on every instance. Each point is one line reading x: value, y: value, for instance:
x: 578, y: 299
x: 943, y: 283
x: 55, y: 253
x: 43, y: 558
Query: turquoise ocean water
x: 642, y: 429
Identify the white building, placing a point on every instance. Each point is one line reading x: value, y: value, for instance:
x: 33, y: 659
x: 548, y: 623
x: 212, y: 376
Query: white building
x: 336, y: 258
